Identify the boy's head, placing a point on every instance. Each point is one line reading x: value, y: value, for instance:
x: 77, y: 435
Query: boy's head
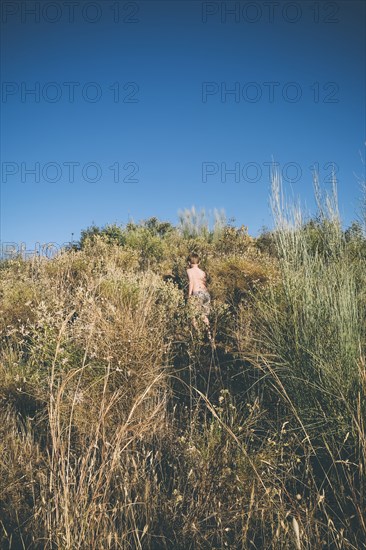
x: 194, y: 259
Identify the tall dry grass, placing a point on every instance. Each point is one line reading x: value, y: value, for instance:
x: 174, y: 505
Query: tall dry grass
x: 121, y: 427
x: 309, y: 336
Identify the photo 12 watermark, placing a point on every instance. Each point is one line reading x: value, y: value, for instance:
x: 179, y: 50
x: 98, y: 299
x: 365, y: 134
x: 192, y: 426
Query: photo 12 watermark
x: 69, y: 11
x: 69, y: 92
x: 270, y: 12
x: 269, y: 92
x: 12, y: 250
x: 254, y: 172
x: 69, y: 172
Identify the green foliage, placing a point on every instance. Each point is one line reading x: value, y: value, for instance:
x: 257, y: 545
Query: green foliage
x: 149, y: 246
x: 233, y: 240
x: 112, y: 233
x: 158, y: 228
x: 89, y: 234
x: 266, y: 242
x: 356, y: 241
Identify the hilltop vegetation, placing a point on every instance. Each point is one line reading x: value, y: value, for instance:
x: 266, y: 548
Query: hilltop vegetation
x: 122, y: 427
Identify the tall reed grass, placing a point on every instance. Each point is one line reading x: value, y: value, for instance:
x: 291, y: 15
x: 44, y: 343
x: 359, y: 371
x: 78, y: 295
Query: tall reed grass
x: 310, y: 346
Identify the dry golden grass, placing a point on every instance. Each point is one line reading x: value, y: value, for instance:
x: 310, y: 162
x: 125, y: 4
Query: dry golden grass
x: 121, y: 427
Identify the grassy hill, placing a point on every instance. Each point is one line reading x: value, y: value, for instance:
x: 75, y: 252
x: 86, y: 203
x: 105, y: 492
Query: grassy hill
x: 122, y: 427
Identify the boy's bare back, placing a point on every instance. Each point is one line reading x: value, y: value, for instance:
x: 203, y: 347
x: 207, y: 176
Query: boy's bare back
x: 198, y: 291
x: 197, y: 279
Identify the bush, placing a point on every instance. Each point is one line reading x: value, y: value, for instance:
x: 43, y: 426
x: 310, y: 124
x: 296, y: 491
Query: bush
x: 238, y: 278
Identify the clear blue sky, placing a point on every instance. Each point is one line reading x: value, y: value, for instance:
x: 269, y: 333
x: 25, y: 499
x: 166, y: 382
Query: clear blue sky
x: 173, y: 62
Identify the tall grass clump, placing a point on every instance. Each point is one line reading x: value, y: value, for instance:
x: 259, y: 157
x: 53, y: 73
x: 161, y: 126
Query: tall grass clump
x: 320, y: 328
x: 310, y: 344
x: 194, y: 223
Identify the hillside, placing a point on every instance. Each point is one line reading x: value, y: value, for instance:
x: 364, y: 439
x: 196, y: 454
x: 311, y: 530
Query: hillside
x: 123, y: 427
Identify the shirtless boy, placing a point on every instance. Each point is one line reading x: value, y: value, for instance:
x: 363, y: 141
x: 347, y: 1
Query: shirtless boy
x: 198, y: 289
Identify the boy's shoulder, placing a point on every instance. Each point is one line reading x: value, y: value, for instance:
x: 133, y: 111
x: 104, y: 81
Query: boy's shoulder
x: 195, y: 270
x: 192, y: 270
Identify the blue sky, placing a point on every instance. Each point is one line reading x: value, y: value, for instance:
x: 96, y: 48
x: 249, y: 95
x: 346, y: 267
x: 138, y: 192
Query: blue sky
x: 297, y: 70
